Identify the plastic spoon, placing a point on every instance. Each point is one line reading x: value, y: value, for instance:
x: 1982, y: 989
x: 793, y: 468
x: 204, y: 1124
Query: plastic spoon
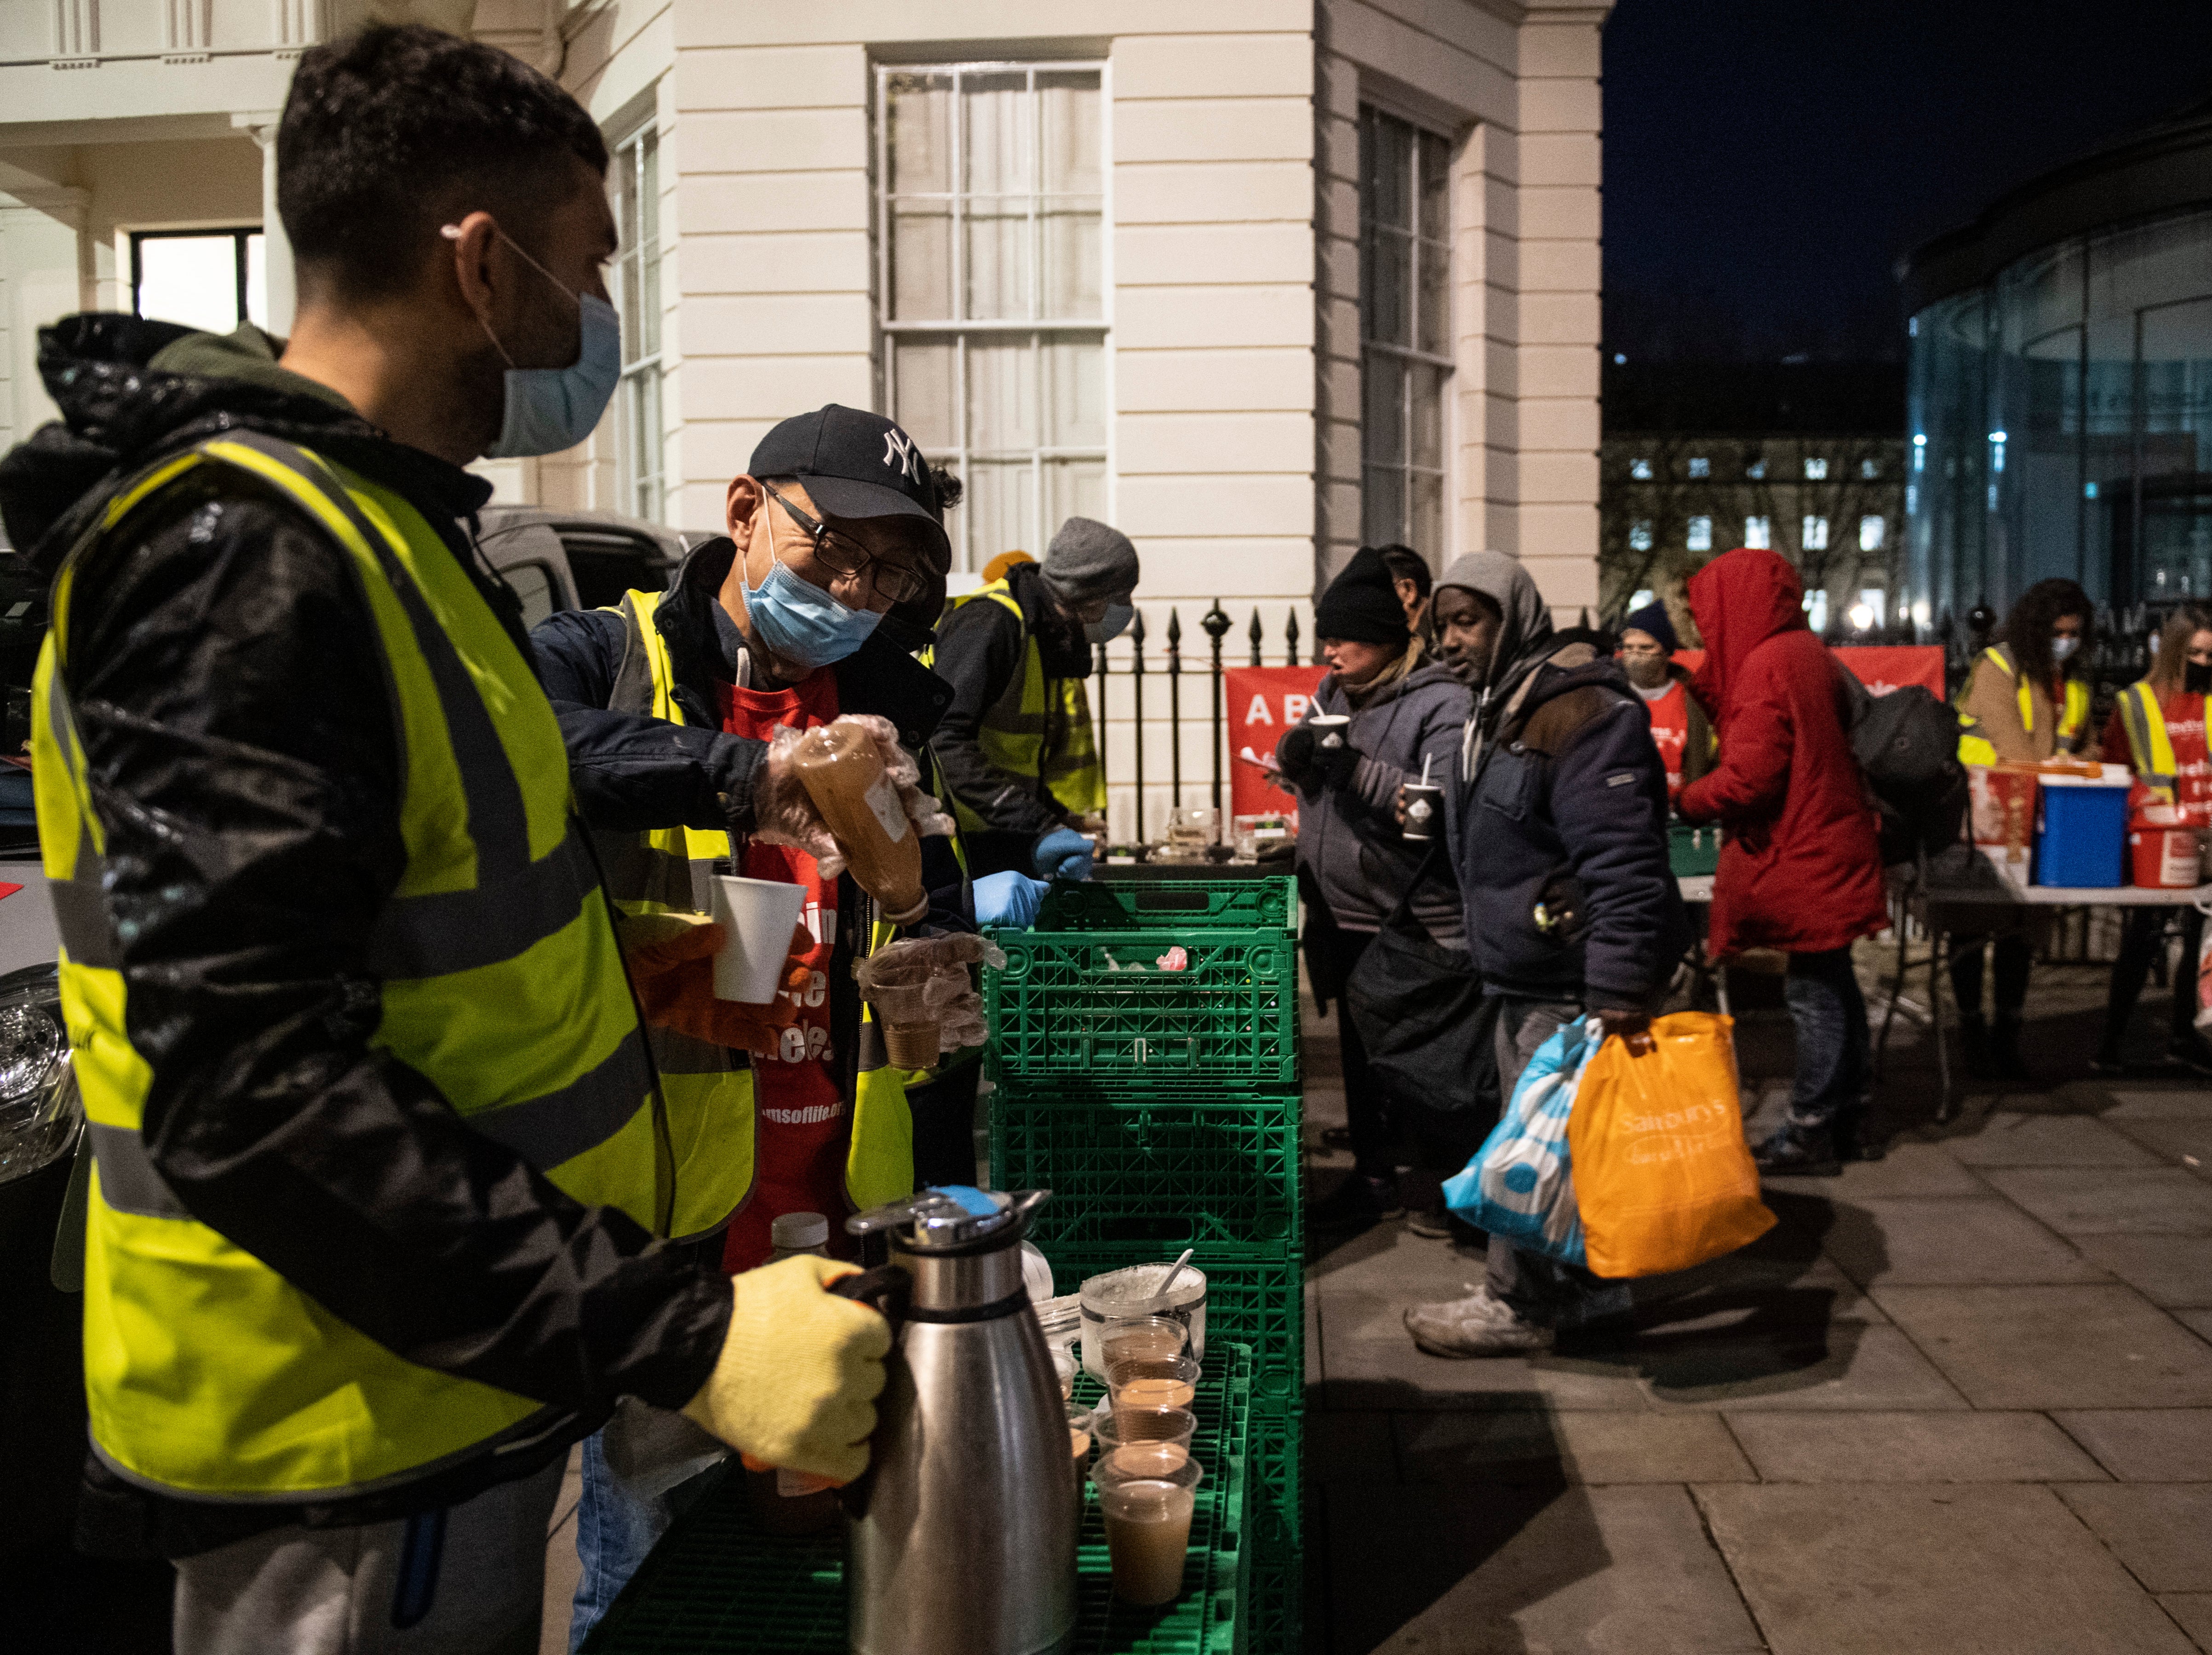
x: 1160, y: 1297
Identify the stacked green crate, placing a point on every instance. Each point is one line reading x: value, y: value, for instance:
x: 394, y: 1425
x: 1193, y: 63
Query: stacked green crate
x: 1145, y: 1049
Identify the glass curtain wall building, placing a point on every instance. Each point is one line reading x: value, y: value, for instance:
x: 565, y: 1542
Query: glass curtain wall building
x: 2059, y: 414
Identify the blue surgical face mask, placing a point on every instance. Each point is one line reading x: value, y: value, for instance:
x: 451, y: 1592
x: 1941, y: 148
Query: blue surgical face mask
x: 800, y: 623
x: 552, y: 408
x: 2061, y: 648
x: 1110, y: 625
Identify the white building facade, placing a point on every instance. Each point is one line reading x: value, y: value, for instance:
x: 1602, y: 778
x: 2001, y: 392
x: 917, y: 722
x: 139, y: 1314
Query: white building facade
x: 1257, y: 281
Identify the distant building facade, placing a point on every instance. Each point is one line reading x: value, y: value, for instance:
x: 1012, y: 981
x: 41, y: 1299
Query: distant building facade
x: 1805, y: 459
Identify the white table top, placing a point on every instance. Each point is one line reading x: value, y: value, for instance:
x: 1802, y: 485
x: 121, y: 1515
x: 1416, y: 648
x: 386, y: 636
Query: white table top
x: 1696, y: 887
x: 2057, y: 896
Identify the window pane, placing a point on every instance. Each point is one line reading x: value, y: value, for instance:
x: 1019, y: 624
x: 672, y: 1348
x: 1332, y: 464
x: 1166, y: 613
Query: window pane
x: 1435, y: 187
x: 1387, y: 155
x: 1382, y: 506
x: 1427, y: 415
x: 1075, y: 392
x: 257, y: 279
x: 1435, y: 300
x: 1758, y: 533
x: 191, y: 279
x: 998, y: 247
x: 1001, y: 395
x: 924, y: 397
x: 1068, y: 111
x: 1073, y: 488
x: 1001, y: 504
x: 998, y: 113
x: 1382, y: 421
x: 1073, y: 257
x: 918, y: 135
x: 648, y: 240
x: 1389, y: 295
x: 921, y: 261
x: 1427, y: 524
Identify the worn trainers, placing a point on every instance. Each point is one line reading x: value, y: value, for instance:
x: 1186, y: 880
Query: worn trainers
x: 1480, y: 1324
x: 1798, y: 1152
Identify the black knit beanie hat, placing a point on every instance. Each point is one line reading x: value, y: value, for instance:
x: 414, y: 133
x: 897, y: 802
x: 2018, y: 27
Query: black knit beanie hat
x: 1362, y: 604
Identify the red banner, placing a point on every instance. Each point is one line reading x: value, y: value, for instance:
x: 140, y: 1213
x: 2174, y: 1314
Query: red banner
x: 1880, y: 667
x: 1259, y: 703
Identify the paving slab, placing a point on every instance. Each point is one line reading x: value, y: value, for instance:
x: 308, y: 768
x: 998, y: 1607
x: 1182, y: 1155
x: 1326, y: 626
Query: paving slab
x: 2161, y: 1531
x: 1911, y: 1168
x: 2193, y: 1611
x: 2200, y: 1320
x: 1390, y: 1262
x: 1392, y: 1373
x: 2189, y: 1143
x: 2146, y: 1445
x: 2056, y: 1347
x: 2016, y: 1140
x: 1582, y: 1447
x: 2182, y: 1104
x: 1349, y: 1447
x: 1846, y: 1365
x: 1496, y: 1571
x: 1950, y: 1446
x: 2164, y: 1200
x: 2171, y: 1270
x: 1950, y: 1243
x: 1876, y: 1569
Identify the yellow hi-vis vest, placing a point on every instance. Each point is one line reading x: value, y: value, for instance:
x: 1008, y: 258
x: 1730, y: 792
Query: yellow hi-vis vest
x: 1038, y: 726
x: 1975, y: 749
x: 710, y: 1089
x: 2148, y: 745
x: 208, y: 1374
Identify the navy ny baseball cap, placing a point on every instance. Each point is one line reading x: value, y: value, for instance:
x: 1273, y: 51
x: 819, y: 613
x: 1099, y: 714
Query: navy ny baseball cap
x: 856, y: 465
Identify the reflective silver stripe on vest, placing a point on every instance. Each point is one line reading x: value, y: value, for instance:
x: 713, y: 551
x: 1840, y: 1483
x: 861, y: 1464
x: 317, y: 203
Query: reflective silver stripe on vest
x: 128, y: 1181
x: 680, y: 1054
x: 638, y: 872
x: 449, y: 931
x: 80, y: 908
x: 582, y: 1115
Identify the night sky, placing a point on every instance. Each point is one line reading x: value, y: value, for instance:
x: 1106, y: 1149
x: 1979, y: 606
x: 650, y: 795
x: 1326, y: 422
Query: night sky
x: 1766, y: 161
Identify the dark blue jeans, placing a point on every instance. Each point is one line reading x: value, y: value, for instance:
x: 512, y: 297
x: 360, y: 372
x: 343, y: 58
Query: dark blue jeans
x: 1833, y: 1060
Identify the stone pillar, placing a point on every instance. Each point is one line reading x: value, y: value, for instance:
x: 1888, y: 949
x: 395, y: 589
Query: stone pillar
x: 283, y: 291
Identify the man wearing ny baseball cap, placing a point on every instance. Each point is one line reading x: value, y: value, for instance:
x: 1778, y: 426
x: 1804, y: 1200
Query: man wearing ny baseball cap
x: 832, y: 573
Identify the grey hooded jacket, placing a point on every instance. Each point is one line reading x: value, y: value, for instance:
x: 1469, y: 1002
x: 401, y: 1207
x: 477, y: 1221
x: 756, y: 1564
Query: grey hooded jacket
x: 1348, y: 838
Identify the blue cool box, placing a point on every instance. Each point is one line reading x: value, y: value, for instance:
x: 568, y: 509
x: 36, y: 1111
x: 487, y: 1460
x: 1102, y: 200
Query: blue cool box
x: 2083, y: 842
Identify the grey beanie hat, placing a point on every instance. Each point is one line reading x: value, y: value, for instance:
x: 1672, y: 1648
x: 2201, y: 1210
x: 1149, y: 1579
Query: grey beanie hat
x: 1087, y: 560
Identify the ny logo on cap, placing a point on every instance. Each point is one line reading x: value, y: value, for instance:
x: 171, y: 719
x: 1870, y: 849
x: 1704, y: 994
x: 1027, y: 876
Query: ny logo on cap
x: 899, y: 453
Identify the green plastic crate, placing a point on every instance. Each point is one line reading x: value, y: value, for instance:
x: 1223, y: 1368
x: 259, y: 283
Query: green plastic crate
x: 1174, y: 1170
x: 1096, y: 1005
x: 1692, y: 852
x: 1103, y: 903
x: 1253, y: 1295
x: 717, y: 1584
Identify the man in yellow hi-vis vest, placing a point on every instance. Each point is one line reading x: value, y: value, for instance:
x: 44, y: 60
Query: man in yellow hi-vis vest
x: 806, y: 612
x: 378, y: 1159
x: 1015, y: 749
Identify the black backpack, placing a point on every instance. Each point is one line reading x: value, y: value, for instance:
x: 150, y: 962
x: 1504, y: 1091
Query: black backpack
x: 1907, y: 746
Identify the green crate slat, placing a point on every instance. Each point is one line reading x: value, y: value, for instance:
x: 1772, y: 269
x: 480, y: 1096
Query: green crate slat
x: 1073, y: 1006
x: 1200, y: 1169
x: 1277, y: 1458
x: 716, y: 1585
x: 1692, y: 852
x: 1105, y: 904
x: 1253, y: 1295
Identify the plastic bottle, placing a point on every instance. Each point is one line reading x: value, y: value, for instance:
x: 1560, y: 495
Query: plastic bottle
x: 784, y: 1501
x: 844, y: 775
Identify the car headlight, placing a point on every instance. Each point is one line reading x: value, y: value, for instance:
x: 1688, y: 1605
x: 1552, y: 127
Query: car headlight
x: 40, y: 1111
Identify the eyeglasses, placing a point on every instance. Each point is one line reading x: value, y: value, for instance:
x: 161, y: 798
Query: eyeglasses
x: 895, y: 582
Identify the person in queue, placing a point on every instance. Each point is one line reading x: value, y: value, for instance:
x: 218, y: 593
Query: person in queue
x: 2158, y: 728
x: 2026, y: 699
x: 1411, y: 579
x: 1556, y: 822
x: 1015, y: 748
x: 379, y: 1168
x: 1679, y: 727
x: 1801, y: 868
x: 836, y: 554
x: 1406, y: 711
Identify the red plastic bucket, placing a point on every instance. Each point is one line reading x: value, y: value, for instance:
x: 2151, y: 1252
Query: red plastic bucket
x: 2165, y: 858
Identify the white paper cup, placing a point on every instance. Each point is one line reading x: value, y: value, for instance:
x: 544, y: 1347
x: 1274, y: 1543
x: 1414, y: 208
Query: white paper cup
x: 756, y: 917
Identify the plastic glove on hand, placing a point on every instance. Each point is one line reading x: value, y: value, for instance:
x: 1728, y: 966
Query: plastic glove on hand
x: 1063, y: 854
x: 800, y: 1370
x: 671, y: 959
x: 927, y: 980
x: 1009, y: 899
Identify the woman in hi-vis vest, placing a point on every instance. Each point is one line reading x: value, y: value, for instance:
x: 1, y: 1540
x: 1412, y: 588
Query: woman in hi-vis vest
x: 2158, y: 728
x: 2025, y: 701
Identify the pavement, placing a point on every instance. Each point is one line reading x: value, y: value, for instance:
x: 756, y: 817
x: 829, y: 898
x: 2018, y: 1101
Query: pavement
x: 1959, y: 1399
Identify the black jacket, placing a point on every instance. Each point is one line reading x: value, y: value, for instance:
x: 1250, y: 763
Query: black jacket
x: 1565, y: 810
x: 230, y: 694
x: 634, y: 772
x: 980, y: 652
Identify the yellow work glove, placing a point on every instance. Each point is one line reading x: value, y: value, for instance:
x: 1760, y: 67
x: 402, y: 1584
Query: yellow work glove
x: 797, y: 1381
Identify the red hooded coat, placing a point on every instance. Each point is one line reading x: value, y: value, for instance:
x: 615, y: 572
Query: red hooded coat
x: 1801, y: 869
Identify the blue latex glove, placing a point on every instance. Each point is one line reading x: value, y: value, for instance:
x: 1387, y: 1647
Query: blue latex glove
x: 1063, y: 854
x: 1008, y: 898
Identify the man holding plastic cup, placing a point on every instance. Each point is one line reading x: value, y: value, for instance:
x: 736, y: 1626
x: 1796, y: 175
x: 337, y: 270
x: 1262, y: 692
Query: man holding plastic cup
x: 678, y: 709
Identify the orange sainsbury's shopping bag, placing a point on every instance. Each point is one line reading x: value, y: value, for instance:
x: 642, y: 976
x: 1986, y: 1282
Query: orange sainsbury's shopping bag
x: 1662, y: 1173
